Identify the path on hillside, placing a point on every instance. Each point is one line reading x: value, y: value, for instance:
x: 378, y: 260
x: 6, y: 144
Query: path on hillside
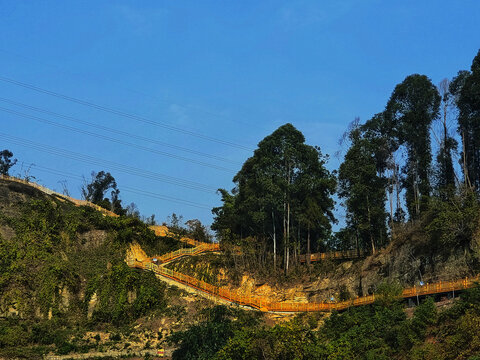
x: 137, y: 258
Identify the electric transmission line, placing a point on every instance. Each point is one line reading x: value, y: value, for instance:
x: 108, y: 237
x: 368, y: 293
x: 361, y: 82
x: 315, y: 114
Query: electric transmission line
x: 118, y: 141
x: 123, y: 113
x: 110, y: 164
x: 116, y: 131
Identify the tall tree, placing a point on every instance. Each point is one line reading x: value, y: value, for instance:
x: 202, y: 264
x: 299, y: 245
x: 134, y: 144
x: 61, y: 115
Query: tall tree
x: 198, y: 231
x: 363, y: 191
x: 226, y: 222
x: 313, y: 189
x: 6, y: 161
x: 412, y: 107
x: 465, y: 88
x: 273, y: 185
x: 445, y: 173
x: 382, y: 132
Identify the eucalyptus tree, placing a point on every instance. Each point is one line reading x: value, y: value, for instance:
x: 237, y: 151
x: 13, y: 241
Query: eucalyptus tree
x: 314, y: 188
x: 465, y: 89
x: 364, y: 192
x: 382, y: 133
x: 226, y: 222
x: 445, y: 172
x: 271, y: 188
x: 412, y: 107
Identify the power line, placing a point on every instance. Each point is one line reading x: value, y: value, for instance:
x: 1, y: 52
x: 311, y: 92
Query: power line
x: 119, y: 132
x: 126, y: 188
x: 123, y: 114
x: 111, y: 164
x: 122, y: 142
x: 141, y: 93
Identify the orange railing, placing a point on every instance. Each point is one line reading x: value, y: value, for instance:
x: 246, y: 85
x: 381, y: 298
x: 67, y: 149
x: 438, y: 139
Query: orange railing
x: 265, y: 304
x: 439, y: 287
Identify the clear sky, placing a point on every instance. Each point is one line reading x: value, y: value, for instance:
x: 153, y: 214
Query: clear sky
x: 187, y: 79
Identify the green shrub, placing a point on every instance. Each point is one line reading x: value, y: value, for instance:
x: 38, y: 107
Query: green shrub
x: 388, y: 292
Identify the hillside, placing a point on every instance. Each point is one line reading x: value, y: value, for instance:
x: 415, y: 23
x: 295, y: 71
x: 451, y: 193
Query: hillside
x: 64, y: 285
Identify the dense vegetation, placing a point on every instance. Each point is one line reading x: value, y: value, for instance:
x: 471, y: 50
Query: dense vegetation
x: 378, y: 331
x: 62, y: 269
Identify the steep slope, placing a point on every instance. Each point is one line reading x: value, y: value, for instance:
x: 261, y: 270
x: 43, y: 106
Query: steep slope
x: 63, y: 278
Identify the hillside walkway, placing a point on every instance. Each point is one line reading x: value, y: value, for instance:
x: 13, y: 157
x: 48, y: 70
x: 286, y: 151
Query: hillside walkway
x: 137, y: 258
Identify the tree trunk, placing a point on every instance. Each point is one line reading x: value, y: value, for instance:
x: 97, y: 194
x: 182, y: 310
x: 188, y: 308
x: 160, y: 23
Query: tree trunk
x: 357, y: 238
x: 397, y: 189
x: 416, y: 192
x: 390, y: 199
x: 445, y: 133
x: 288, y: 234
x: 285, y: 236
x: 372, y: 241
x: 297, y: 246
x: 465, y: 168
x: 309, y: 256
x: 274, y: 244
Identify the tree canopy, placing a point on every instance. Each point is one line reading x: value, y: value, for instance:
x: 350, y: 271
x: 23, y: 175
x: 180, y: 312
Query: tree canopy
x: 363, y: 191
x: 413, y: 106
x: 6, y: 161
x: 96, y: 190
x: 282, y: 195
x: 465, y: 88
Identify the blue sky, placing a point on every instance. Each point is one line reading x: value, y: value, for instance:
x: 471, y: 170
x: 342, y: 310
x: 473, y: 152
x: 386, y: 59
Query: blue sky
x: 230, y: 71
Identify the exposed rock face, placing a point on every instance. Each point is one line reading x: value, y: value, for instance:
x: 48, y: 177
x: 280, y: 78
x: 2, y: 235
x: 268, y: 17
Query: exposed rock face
x: 6, y: 232
x: 92, y: 304
x: 131, y: 296
x: 65, y: 297
x: 92, y: 238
